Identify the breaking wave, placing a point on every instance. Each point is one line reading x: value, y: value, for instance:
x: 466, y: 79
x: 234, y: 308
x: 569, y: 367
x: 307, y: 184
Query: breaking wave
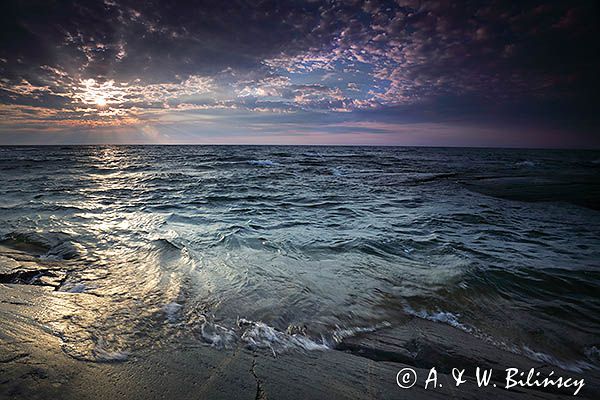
x: 452, y: 320
x: 258, y: 335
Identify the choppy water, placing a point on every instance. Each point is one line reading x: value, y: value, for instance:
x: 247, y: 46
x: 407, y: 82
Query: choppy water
x: 299, y: 246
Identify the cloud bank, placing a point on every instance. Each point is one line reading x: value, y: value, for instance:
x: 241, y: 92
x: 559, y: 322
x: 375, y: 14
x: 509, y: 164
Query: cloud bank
x: 298, y: 72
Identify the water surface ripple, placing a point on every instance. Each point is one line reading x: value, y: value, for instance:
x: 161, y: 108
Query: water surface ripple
x: 298, y: 246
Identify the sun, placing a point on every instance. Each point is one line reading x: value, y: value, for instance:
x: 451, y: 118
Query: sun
x: 100, y: 101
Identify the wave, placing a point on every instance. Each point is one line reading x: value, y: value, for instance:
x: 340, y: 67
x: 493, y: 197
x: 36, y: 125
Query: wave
x: 95, y: 350
x: 255, y: 335
x: 47, y: 245
x: 262, y: 336
x: 312, y: 154
x: 525, y: 163
x: 264, y: 163
x: 573, y: 366
x: 452, y: 320
x: 342, y: 333
x: 440, y: 316
x: 102, y: 353
x: 259, y: 335
x: 216, y: 335
x: 270, y: 223
x: 336, y: 171
x: 417, y: 178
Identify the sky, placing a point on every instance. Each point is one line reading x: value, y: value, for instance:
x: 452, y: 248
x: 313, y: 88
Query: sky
x: 405, y: 72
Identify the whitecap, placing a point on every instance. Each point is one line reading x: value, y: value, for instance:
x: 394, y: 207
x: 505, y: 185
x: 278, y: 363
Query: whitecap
x: 263, y: 163
x: 525, y: 163
x: 259, y: 335
x: 452, y: 320
x: 342, y: 333
x: 439, y: 316
x: 217, y: 335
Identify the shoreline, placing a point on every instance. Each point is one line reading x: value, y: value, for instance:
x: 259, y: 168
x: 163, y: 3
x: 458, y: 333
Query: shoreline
x: 364, y: 366
x: 36, y: 362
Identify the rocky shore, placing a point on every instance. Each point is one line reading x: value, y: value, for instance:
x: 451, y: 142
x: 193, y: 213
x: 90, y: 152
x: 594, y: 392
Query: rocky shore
x: 35, y: 365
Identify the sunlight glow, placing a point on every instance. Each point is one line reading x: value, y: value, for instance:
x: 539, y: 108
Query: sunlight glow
x: 100, y: 101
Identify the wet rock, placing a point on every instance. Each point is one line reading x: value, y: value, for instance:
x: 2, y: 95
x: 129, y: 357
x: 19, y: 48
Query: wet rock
x: 42, y: 277
x: 20, y: 268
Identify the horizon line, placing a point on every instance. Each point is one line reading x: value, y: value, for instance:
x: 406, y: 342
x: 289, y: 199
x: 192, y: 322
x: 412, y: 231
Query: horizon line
x: 299, y: 145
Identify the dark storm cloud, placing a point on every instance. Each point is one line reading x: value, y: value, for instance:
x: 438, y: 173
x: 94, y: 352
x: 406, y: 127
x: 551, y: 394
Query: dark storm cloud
x: 404, y: 60
x: 150, y: 39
